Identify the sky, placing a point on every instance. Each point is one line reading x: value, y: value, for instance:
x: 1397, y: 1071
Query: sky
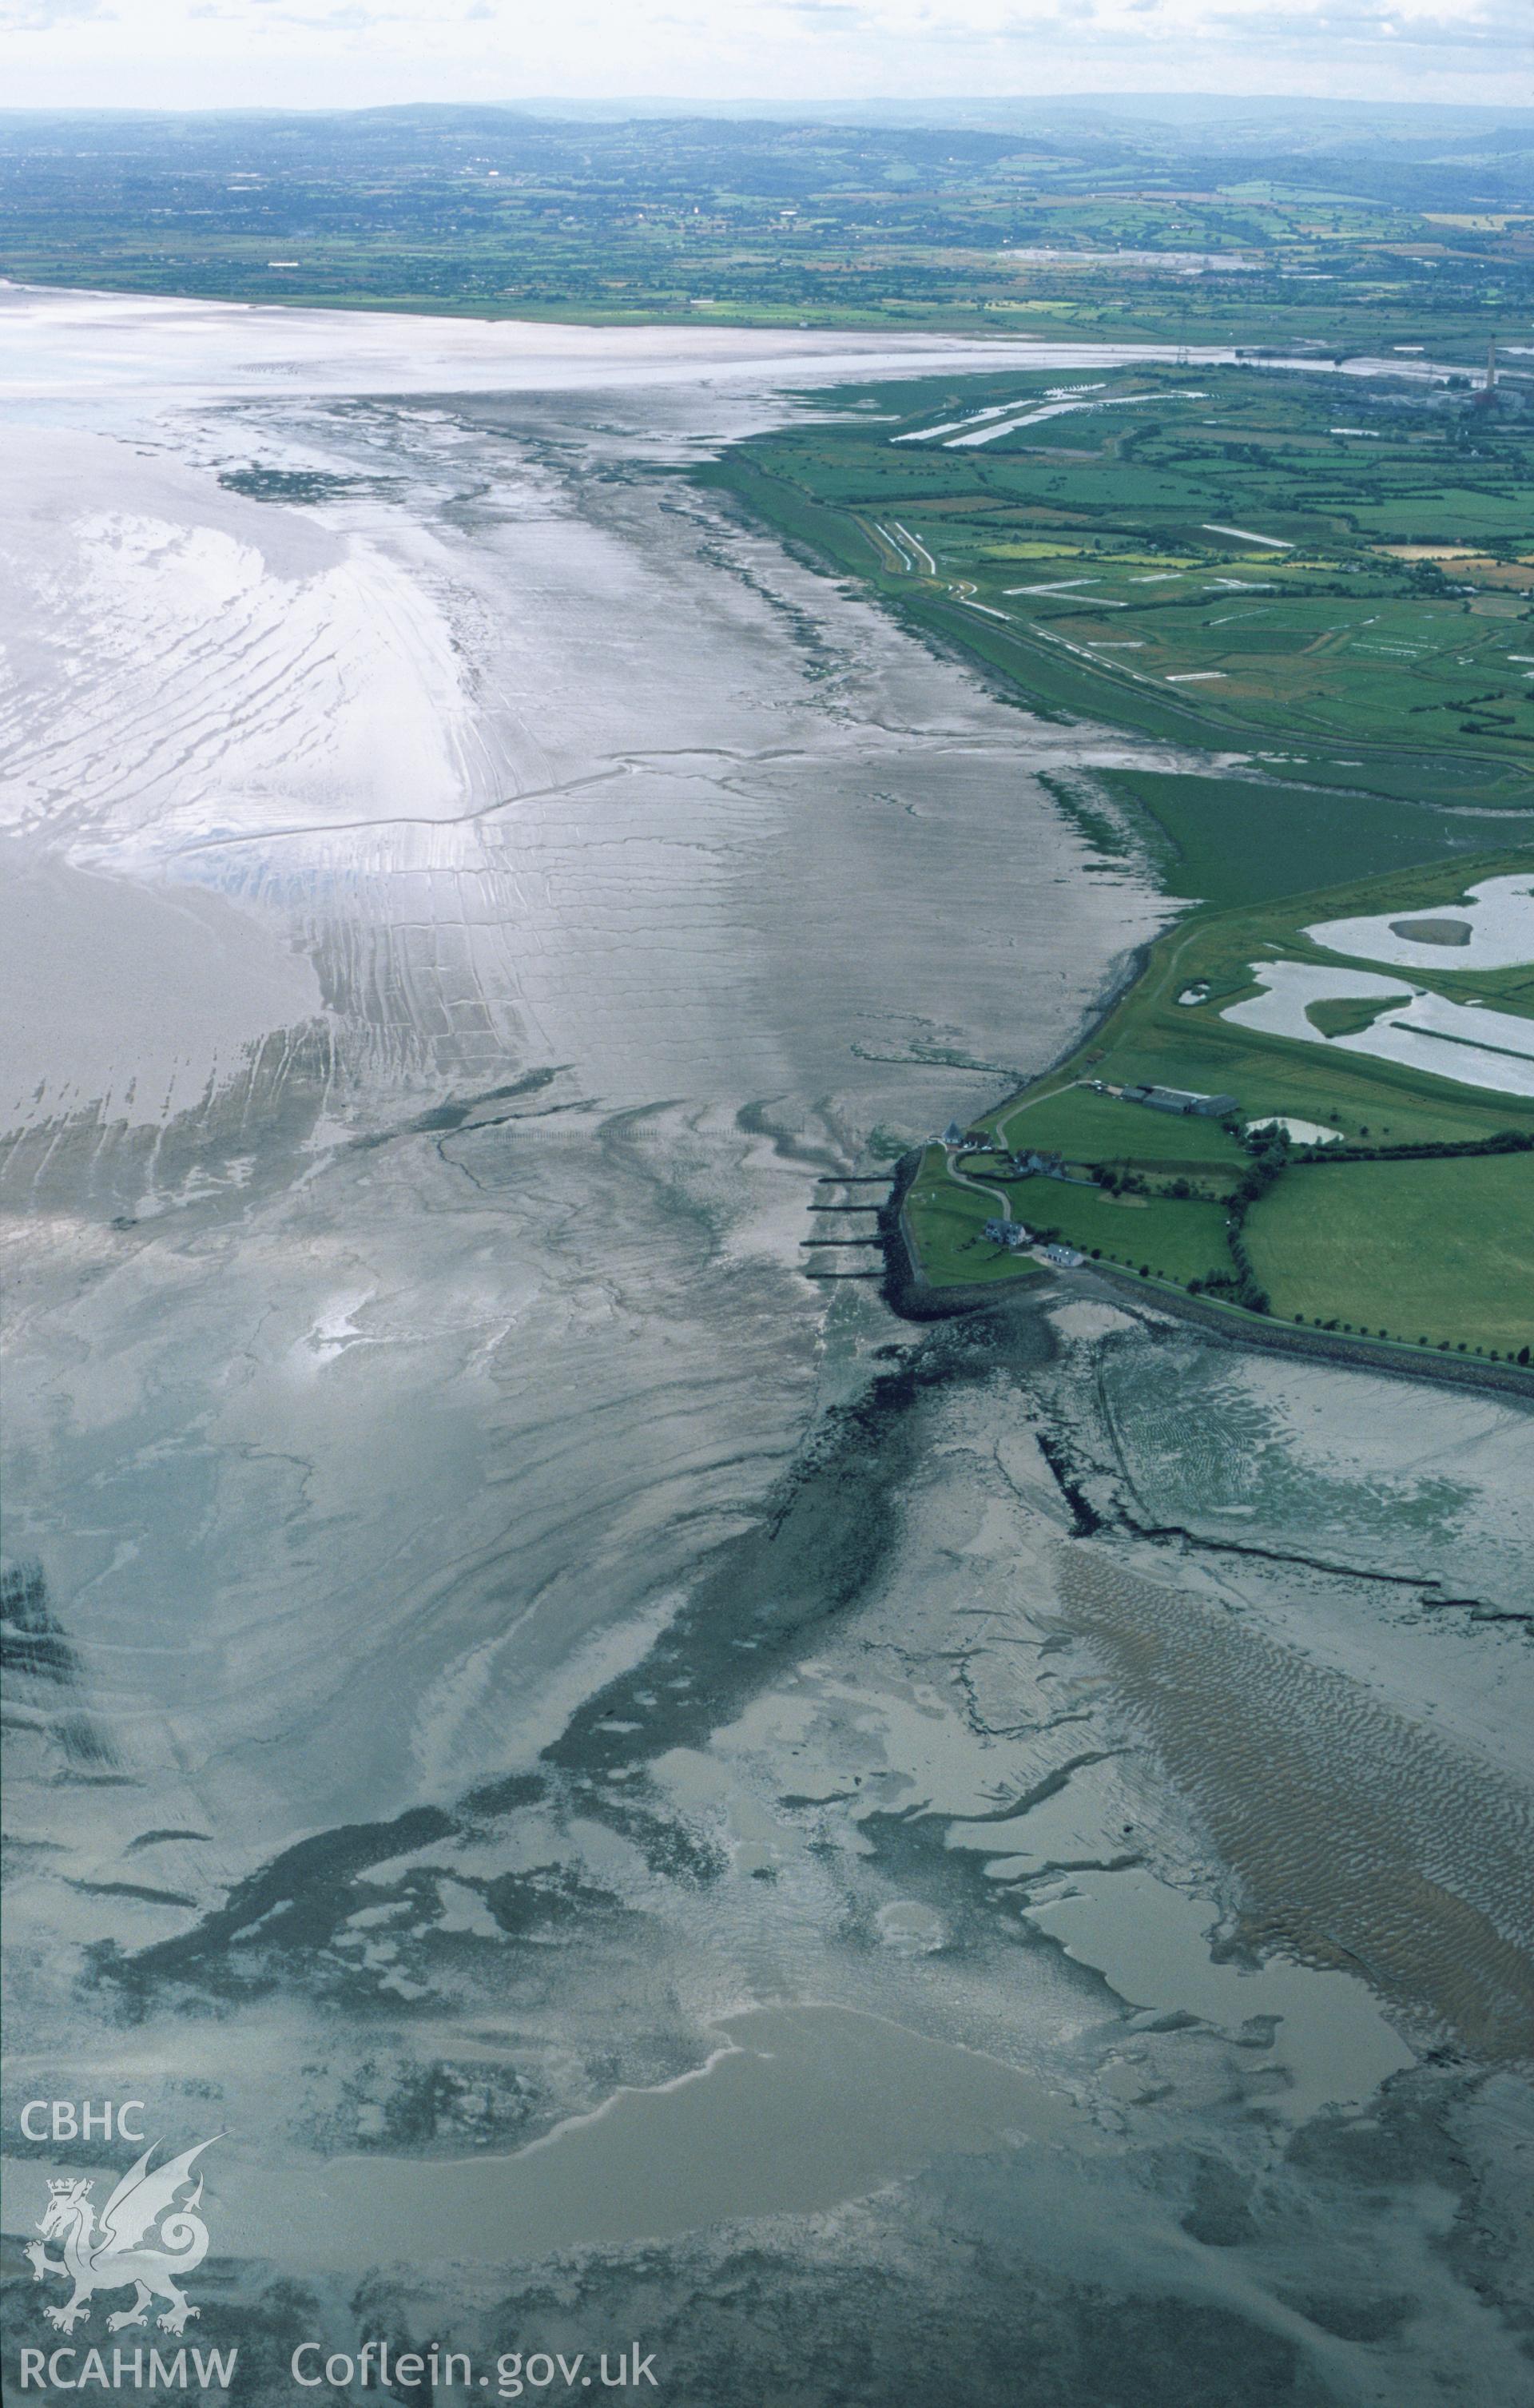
x: 352, y: 53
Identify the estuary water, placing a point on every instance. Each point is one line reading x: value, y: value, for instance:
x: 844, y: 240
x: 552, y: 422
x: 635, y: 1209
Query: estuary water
x: 637, y: 1793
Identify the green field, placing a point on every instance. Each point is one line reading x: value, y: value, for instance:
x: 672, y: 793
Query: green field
x: 1151, y: 1036
x: 1437, y: 1249
x: 1088, y: 1127
x: 1411, y: 1249
x: 1225, y: 840
x: 1204, y: 553
x: 1035, y: 222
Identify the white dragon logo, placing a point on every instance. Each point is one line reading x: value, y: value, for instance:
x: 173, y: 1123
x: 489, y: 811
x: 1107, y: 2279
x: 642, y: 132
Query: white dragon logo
x: 123, y: 2252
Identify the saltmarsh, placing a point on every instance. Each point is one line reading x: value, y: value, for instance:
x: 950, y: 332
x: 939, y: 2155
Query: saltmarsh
x: 1207, y: 550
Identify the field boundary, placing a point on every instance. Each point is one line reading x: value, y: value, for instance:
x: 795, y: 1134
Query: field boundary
x: 912, y: 1297
x: 1287, y: 1338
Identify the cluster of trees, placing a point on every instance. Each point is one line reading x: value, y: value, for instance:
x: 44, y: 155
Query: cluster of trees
x: 1270, y: 1155
x: 1241, y: 1286
x: 1425, y: 1149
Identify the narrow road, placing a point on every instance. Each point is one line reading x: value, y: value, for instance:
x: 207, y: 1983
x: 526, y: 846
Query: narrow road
x: 961, y: 1179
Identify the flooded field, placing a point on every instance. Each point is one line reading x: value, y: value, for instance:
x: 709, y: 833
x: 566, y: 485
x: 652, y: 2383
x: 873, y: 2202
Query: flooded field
x: 640, y: 1796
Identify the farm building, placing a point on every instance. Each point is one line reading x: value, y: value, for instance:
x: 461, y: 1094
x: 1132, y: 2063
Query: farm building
x: 1180, y: 1100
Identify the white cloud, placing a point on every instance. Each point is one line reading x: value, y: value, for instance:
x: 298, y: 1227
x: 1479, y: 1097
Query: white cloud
x: 41, y: 15
x: 341, y: 52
